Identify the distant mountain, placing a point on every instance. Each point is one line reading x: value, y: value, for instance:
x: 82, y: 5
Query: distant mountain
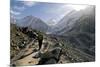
x: 79, y: 29
x: 52, y: 22
x: 69, y: 20
x: 33, y: 22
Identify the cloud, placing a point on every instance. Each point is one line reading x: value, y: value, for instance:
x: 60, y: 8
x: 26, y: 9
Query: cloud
x: 59, y: 11
x: 19, y: 8
x: 29, y: 3
x: 14, y: 12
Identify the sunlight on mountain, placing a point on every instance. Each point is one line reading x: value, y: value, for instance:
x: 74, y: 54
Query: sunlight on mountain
x: 78, y: 7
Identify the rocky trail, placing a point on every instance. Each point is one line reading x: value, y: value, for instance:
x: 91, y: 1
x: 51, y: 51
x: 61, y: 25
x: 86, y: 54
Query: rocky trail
x: 55, y: 49
x: 31, y: 56
x: 30, y: 51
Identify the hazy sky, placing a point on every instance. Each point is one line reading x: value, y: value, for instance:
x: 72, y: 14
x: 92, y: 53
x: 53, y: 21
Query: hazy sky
x: 45, y: 11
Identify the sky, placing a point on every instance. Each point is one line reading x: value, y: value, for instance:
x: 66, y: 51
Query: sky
x: 44, y: 11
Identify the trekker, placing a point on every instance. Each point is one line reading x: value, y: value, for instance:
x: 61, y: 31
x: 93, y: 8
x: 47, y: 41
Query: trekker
x: 40, y: 39
x: 38, y: 35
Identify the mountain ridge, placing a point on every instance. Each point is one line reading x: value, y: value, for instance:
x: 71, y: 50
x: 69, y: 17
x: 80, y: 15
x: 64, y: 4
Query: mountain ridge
x: 32, y: 22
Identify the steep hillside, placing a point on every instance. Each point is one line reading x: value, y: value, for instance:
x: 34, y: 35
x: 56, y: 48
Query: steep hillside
x: 24, y: 49
x: 69, y: 21
x: 81, y: 32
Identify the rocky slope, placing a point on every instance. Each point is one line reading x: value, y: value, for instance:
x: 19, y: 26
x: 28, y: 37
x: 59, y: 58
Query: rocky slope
x: 24, y: 49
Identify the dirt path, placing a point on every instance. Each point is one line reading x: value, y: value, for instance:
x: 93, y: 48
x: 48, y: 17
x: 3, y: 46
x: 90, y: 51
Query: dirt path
x: 21, y: 53
x: 28, y: 60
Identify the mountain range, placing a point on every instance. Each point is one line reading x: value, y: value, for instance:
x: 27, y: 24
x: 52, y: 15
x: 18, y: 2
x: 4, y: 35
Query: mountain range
x: 77, y: 26
x: 71, y: 19
x: 72, y: 39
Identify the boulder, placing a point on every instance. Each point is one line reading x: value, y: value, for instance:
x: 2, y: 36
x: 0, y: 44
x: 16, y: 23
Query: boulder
x: 49, y: 57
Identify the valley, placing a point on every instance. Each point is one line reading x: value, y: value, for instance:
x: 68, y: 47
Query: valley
x: 71, y: 40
